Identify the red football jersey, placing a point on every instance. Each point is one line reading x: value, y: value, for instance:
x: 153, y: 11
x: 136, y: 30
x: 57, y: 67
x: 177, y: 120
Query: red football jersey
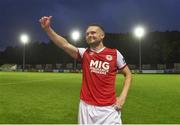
x: 99, y: 75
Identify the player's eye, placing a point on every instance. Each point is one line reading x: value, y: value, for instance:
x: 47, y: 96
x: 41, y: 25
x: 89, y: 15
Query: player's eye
x: 87, y: 34
x: 93, y: 32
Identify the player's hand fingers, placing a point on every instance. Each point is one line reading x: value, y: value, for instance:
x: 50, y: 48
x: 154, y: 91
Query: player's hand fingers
x: 120, y: 102
x: 43, y: 20
x: 117, y: 108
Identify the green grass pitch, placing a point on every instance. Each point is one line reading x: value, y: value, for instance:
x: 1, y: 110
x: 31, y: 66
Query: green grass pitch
x: 54, y: 98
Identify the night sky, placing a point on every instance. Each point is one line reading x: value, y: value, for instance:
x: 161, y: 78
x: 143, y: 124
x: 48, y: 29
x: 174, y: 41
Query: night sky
x: 17, y: 16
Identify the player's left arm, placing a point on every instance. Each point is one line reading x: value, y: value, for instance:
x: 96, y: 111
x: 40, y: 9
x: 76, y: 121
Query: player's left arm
x: 126, y: 85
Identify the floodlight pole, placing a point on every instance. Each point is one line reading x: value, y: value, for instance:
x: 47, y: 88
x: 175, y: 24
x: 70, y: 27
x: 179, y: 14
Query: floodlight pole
x: 24, y: 40
x: 139, y: 33
x: 140, y: 67
x: 74, y: 64
x: 75, y: 37
x: 24, y: 56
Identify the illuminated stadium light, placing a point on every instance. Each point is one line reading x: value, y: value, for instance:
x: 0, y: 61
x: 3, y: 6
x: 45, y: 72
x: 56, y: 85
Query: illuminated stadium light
x: 24, y: 38
x: 75, y: 35
x: 139, y: 32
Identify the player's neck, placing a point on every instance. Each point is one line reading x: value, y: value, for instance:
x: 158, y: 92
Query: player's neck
x: 97, y: 47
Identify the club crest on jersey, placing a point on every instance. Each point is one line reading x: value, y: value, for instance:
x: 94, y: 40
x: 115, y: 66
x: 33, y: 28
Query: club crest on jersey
x: 109, y: 57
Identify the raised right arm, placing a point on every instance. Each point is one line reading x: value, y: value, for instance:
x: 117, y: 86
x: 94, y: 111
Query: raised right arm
x: 57, y: 39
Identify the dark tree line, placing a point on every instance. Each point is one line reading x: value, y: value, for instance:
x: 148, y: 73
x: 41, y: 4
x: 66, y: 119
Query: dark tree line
x: 157, y: 48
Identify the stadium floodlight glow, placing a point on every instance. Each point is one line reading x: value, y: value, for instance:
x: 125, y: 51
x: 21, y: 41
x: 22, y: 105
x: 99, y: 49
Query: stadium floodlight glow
x: 139, y: 32
x: 75, y: 35
x: 24, y: 38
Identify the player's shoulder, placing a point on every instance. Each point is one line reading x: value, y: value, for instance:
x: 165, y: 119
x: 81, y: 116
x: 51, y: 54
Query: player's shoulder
x: 82, y: 49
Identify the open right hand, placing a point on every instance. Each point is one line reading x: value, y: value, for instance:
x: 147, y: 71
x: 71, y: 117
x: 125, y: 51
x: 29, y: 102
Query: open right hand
x: 45, y: 22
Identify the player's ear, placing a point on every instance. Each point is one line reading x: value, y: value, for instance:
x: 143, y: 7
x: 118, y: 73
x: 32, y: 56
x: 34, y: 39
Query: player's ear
x: 102, y: 35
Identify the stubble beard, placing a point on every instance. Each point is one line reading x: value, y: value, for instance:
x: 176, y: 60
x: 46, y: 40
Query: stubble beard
x: 94, y: 43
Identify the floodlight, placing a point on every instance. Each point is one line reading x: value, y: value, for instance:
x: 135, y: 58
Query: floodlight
x: 139, y: 32
x: 24, y: 38
x: 75, y: 35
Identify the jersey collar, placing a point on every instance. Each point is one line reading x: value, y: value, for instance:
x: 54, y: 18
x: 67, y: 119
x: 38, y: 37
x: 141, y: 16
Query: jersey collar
x: 98, y: 51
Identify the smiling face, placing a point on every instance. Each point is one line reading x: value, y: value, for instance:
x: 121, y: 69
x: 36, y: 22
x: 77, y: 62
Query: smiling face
x: 94, y: 35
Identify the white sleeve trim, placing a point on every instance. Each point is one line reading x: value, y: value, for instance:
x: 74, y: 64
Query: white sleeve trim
x: 81, y: 51
x: 120, y: 60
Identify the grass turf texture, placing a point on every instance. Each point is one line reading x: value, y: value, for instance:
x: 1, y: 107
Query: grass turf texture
x: 54, y: 98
